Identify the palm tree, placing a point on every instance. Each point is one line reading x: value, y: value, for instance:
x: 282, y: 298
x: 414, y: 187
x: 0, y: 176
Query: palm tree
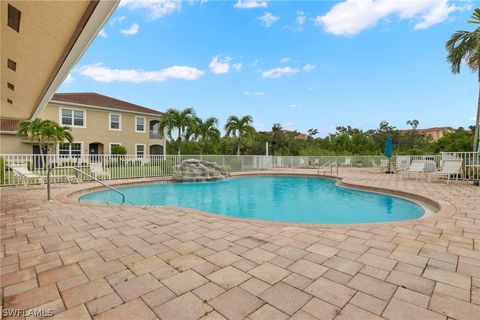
x: 239, y: 128
x: 206, y: 131
x: 177, y: 120
x: 44, y: 132
x: 31, y: 129
x: 464, y: 46
x: 53, y: 133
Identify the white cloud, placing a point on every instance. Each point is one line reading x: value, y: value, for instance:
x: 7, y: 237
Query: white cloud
x: 286, y: 60
x: 220, y: 65
x: 223, y: 64
x: 254, y: 93
x: 278, y: 72
x: 102, y: 33
x: 155, y: 8
x: 295, y: 105
x: 100, y: 73
x: 472, y: 119
x: 237, y: 66
x: 131, y: 31
x: 250, y: 4
x: 309, y: 67
x: 69, y: 79
x: 313, y: 88
x: 350, y: 17
x: 194, y: 2
x: 268, y: 19
x: 116, y: 20
x: 301, y: 18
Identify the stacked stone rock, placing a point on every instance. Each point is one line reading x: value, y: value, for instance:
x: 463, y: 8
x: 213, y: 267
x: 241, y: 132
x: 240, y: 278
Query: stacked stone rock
x: 198, y: 170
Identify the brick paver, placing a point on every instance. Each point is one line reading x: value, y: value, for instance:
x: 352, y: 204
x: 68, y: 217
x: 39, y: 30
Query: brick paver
x: 111, y: 262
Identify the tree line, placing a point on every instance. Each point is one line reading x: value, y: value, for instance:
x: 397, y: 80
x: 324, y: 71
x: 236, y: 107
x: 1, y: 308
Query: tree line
x: 189, y: 134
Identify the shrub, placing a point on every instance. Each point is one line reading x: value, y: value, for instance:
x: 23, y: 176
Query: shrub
x: 118, y: 150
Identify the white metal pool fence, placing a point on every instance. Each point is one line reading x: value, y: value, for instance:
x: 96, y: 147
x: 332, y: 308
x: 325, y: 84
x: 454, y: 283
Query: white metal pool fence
x: 132, y: 166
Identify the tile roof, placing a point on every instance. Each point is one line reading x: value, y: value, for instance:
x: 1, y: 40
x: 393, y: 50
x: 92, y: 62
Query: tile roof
x: 99, y: 100
x: 7, y: 124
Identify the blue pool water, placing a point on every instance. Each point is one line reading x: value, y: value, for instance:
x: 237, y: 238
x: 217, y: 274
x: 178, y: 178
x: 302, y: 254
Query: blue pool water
x: 273, y: 198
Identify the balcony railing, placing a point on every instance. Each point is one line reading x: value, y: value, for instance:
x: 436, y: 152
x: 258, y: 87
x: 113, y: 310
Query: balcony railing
x: 155, y: 135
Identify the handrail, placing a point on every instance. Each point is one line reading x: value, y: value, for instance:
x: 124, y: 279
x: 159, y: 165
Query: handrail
x: 85, y: 174
x: 328, y: 164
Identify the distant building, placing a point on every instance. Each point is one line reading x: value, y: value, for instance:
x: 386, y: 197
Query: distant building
x: 295, y: 134
x: 435, y: 132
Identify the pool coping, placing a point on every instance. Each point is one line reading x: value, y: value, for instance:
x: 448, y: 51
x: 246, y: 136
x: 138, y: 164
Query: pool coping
x: 445, y: 208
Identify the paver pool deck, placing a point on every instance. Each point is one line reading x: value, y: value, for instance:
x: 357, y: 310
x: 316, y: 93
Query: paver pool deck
x: 125, y: 262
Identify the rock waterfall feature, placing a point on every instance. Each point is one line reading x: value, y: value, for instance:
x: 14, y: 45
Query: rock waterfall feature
x: 192, y: 170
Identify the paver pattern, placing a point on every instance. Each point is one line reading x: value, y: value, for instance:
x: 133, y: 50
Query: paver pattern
x: 125, y: 262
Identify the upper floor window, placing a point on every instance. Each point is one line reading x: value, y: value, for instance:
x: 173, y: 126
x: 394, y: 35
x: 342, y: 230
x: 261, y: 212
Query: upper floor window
x: 115, y: 121
x: 140, y: 124
x: 72, y: 117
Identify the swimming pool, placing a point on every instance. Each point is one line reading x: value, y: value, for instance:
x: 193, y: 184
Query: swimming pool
x: 272, y: 198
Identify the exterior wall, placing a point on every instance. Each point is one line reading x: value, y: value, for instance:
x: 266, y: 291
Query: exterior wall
x: 436, y: 133
x: 11, y: 144
x: 95, y: 130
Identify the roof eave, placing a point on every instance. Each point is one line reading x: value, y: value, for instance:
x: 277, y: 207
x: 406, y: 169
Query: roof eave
x: 101, y: 11
x: 73, y: 104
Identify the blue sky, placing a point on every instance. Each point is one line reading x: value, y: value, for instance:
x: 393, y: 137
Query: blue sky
x: 315, y: 64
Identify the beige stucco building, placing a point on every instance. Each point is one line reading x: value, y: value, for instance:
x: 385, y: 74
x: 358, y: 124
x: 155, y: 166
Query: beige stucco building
x: 434, y: 133
x: 97, y: 123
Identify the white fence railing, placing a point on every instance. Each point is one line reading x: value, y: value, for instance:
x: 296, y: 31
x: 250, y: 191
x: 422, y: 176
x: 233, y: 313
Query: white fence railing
x: 131, y: 166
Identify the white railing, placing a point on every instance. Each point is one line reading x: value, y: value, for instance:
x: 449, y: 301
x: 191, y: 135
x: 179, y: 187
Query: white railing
x: 470, y: 160
x: 131, y: 166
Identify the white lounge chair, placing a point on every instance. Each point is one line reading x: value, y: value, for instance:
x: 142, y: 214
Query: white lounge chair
x: 347, y: 163
x: 383, y: 164
x: 449, y: 168
x: 20, y: 171
x: 403, y: 163
x: 375, y: 166
x: 98, y: 171
x: 416, y: 167
x: 316, y: 163
x: 302, y: 163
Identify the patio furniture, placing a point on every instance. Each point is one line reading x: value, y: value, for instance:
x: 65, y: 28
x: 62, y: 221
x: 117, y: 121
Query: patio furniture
x: 347, y: 163
x: 20, y: 171
x: 430, y: 166
x: 448, y: 169
x: 383, y: 165
x: 416, y: 167
x: 98, y: 171
x: 403, y: 163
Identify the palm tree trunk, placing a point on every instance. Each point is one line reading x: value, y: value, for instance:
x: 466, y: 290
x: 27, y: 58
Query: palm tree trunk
x: 477, y: 122
x: 238, y: 146
x: 42, y: 158
x: 179, y: 140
